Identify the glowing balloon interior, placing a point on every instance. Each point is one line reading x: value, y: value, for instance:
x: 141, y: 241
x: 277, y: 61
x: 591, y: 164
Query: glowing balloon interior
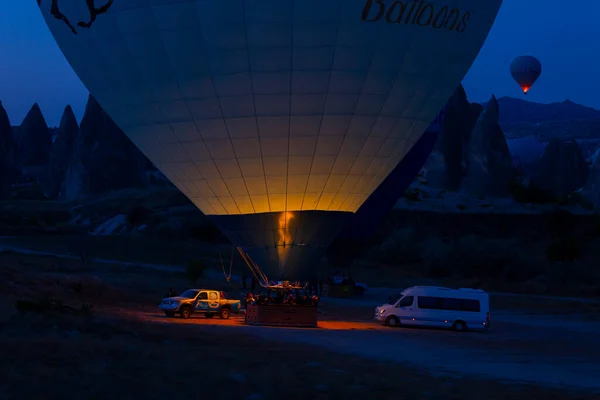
x: 277, y: 118
x: 525, y: 70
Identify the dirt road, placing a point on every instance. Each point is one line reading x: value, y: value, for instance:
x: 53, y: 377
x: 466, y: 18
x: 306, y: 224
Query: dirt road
x: 532, y: 349
x: 549, y: 342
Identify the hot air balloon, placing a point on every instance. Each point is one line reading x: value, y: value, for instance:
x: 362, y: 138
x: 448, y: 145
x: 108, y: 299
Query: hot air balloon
x: 354, y: 239
x: 277, y: 118
x: 384, y: 198
x: 525, y: 70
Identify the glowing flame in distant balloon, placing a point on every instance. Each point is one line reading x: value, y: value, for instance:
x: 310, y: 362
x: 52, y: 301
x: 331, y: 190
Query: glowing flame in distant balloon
x: 525, y: 70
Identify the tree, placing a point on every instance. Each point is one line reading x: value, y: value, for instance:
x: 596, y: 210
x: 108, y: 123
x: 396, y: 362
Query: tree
x: 195, y: 270
x: 530, y: 194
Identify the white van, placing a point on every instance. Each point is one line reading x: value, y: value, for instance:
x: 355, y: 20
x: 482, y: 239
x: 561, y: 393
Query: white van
x: 459, y: 309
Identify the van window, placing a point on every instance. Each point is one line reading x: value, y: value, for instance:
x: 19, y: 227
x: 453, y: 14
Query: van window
x: 406, y: 301
x: 445, y: 303
x: 470, y: 305
x: 428, y: 302
x: 451, y: 304
x: 203, y: 296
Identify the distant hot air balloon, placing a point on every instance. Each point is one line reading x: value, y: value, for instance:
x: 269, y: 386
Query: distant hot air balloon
x: 525, y: 70
x: 277, y: 118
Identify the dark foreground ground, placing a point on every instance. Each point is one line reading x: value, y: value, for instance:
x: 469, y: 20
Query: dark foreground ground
x: 125, y: 349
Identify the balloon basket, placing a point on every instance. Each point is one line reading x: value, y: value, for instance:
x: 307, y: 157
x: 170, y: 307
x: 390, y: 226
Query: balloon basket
x: 284, y: 315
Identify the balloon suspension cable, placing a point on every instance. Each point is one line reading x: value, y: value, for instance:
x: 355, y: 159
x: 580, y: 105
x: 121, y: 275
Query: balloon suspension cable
x: 227, y: 277
x: 258, y: 274
x: 264, y: 281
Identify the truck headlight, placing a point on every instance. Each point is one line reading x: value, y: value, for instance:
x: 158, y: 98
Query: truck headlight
x: 174, y: 304
x: 382, y: 311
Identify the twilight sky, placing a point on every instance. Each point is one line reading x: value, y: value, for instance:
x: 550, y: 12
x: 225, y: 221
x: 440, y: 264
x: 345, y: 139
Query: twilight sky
x: 562, y: 34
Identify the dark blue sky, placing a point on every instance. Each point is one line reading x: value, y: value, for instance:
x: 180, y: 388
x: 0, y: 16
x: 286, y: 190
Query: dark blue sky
x: 563, y: 34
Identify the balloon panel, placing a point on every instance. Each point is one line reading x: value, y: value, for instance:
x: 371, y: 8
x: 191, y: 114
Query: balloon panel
x: 252, y: 106
x: 370, y: 214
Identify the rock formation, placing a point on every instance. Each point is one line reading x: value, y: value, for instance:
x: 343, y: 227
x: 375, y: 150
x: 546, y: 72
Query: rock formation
x: 34, y: 143
x: 592, y: 186
x: 489, y: 167
x: 562, y: 169
x: 7, y: 154
x: 449, y: 160
x: 103, y: 158
x: 62, y: 149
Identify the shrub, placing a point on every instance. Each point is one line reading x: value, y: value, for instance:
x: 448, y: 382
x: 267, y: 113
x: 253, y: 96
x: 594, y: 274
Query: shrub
x: 195, y: 270
x: 138, y: 215
x: 570, y: 273
x: 412, y: 195
x: 401, y: 247
x: 565, y: 249
x: 596, y: 226
x: 343, y: 252
x: 531, y: 193
x: 475, y: 257
x: 576, y: 199
x: 558, y: 221
x: 437, y: 256
x: 205, y: 232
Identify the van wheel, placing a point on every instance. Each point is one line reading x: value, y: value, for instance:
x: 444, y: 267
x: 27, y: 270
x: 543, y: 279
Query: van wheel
x: 392, y: 321
x: 185, y: 312
x: 459, y: 326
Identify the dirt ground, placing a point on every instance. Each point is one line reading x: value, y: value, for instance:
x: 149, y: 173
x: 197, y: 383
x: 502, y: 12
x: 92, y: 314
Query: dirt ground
x: 126, y: 349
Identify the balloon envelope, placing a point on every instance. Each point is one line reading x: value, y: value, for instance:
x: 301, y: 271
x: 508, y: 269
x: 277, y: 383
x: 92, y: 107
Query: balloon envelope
x: 277, y: 118
x: 370, y: 214
x: 525, y: 70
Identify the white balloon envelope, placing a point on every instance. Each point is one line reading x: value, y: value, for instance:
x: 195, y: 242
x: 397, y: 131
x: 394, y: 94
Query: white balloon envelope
x: 277, y: 118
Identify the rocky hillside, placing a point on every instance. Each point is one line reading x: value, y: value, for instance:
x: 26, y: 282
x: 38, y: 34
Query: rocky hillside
x: 69, y: 162
x: 102, y: 158
x: 483, y: 149
x: 62, y: 148
x: 475, y: 160
x: 8, y: 151
x: 471, y: 153
x: 562, y: 169
x: 566, y: 120
x: 34, y: 143
x: 490, y: 170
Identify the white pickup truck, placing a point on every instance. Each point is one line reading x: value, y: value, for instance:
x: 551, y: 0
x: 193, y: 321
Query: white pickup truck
x: 200, y: 301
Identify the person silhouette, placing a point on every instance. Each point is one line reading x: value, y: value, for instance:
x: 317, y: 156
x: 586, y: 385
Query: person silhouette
x: 93, y: 10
